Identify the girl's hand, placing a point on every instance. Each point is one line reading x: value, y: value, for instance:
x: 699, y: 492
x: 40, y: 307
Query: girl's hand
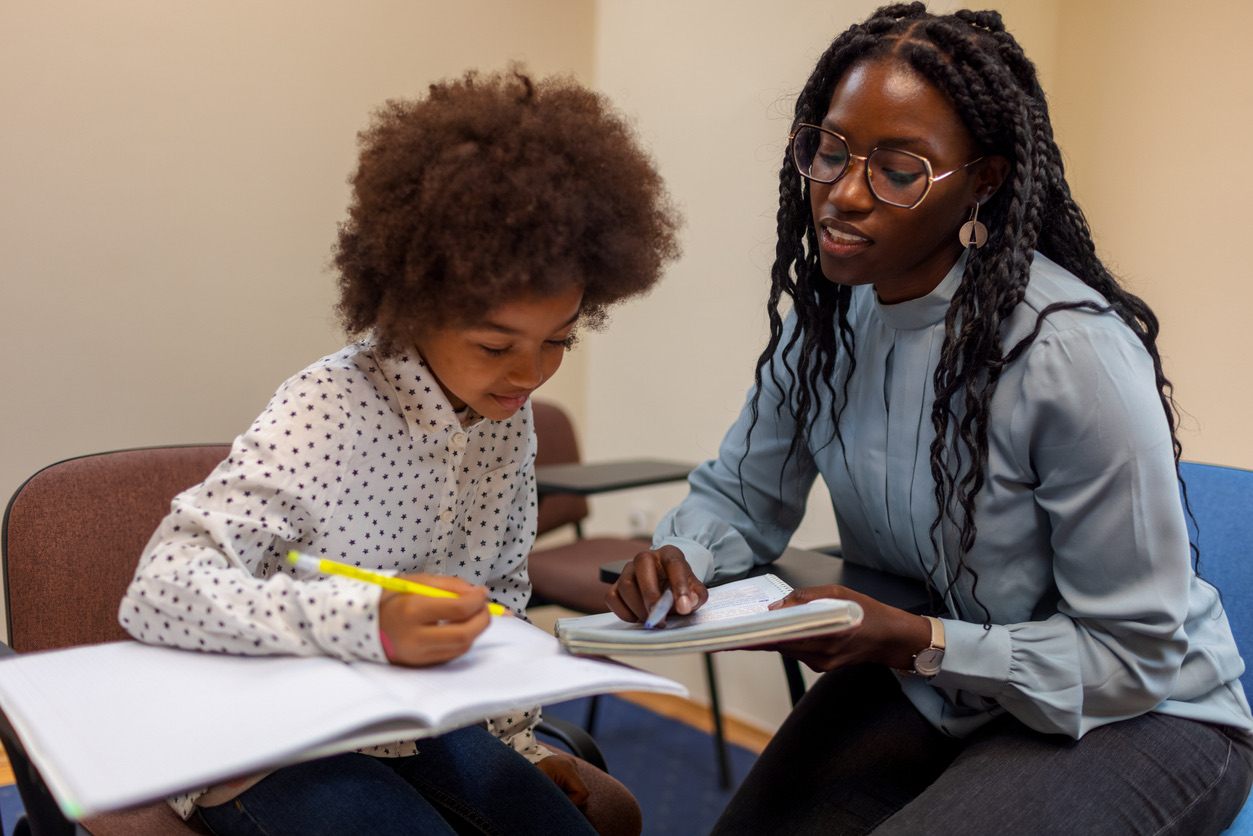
x: 644, y: 578
x: 427, y: 631
x: 561, y: 769
x: 886, y: 635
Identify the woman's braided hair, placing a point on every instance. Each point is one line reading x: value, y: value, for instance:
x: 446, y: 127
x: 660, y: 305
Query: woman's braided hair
x: 981, y: 68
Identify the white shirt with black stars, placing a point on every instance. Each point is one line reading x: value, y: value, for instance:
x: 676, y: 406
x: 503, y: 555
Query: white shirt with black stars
x: 362, y: 460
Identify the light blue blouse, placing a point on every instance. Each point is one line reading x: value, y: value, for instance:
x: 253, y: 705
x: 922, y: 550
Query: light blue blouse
x: 1082, y: 554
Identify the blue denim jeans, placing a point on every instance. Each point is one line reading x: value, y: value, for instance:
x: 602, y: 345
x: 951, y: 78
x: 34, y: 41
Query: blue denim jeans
x: 856, y: 757
x: 465, y: 782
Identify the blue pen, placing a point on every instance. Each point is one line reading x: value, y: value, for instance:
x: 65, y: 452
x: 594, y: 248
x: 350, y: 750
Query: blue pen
x: 659, y: 610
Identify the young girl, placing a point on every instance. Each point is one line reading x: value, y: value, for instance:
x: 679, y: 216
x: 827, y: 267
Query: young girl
x: 489, y: 221
x: 986, y: 405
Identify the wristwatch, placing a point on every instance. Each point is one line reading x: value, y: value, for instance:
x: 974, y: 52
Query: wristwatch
x: 927, y: 661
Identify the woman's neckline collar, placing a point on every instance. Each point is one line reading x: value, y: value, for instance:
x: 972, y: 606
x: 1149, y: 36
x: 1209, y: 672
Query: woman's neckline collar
x: 924, y: 311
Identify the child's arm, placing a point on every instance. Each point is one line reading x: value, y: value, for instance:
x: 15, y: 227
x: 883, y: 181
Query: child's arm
x: 212, y: 577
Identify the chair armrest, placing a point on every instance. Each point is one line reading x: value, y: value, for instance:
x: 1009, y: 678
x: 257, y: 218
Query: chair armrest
x: 578, y: 741
x: 602, y: 477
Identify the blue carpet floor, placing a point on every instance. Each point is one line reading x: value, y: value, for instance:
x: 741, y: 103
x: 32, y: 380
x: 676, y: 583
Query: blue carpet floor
x: 10, y: 807
x: 669, y: 766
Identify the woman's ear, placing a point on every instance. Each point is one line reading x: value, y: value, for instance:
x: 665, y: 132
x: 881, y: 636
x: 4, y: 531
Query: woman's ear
x: 989, y: 175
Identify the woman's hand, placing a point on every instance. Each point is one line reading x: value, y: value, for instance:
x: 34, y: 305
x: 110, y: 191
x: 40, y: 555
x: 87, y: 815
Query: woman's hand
x: 421, y: 631
x: 886, y: 635
x: 561, y: 769
x: 644, y: 578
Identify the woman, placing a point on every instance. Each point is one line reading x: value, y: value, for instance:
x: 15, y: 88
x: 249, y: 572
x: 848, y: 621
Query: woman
x: 986, y: 405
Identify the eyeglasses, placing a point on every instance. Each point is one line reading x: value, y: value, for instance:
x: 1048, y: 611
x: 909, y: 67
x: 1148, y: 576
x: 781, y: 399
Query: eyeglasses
x: 898, y: 178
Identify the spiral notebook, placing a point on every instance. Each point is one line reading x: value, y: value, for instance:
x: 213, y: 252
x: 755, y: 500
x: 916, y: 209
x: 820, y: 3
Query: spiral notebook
x: 736, y: 615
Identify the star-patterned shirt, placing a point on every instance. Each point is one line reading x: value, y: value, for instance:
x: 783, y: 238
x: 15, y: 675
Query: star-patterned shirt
x: 363, y: 460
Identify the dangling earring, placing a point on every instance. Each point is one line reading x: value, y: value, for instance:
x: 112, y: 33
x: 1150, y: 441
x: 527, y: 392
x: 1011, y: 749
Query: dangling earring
x: 973, y: 233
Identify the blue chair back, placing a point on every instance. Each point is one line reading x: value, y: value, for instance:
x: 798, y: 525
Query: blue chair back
x: 1222, y: 500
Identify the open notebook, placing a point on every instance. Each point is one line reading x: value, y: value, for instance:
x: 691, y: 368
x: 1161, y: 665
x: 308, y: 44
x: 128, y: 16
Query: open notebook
x: 113, y: 725
x: 736, y: 615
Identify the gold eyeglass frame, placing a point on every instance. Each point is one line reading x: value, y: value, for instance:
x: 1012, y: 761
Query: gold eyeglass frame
x: 932, y: 177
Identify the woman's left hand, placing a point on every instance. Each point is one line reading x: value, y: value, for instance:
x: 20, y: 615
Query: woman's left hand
x: 886, y: 635
x: 561, y: 769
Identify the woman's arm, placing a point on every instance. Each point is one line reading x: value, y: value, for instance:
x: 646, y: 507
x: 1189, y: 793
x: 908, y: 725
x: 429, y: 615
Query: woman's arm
x: 742, y: 507
x: 1089, y: 423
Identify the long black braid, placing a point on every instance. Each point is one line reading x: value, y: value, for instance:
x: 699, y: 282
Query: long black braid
x: 993, y: 85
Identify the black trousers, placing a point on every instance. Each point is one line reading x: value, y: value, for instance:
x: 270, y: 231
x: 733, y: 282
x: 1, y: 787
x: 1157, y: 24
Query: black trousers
x: 855, y: 756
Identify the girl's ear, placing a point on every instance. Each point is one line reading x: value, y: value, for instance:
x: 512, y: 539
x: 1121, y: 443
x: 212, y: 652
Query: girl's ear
x: 989, y: 175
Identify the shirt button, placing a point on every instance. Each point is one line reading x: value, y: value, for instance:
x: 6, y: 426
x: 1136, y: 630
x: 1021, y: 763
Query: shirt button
x: 447, y: 517
x: 458, y: 440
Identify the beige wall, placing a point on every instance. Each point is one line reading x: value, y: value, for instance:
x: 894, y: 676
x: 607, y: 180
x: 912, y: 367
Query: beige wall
x: 1154, y: 109
x: 171, y: 176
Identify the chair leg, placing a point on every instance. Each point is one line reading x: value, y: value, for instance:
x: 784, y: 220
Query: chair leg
x: 795, y: 682
x: 589, y: 720
x: 720, y: 741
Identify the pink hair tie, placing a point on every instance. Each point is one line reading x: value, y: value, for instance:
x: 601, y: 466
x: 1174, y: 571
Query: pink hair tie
x: 388, y: 651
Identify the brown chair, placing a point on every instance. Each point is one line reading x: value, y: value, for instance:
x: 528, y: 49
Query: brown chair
x: 570, y: 575
x: 71, y: 538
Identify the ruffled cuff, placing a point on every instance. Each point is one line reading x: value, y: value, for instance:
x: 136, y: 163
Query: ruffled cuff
x: 1017, y: 666
x: 975, y: 659
x: 698, y: 557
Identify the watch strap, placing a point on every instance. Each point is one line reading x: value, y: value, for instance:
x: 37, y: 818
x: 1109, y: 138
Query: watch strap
x: 937, y: 632
x: 933, y: 654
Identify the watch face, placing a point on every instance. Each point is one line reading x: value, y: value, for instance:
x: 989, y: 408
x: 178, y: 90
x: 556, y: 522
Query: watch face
x: 927, y: 662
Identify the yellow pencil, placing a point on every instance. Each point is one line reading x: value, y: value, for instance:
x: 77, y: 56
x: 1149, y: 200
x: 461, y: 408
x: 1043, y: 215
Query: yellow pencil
x: 333, y: 567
